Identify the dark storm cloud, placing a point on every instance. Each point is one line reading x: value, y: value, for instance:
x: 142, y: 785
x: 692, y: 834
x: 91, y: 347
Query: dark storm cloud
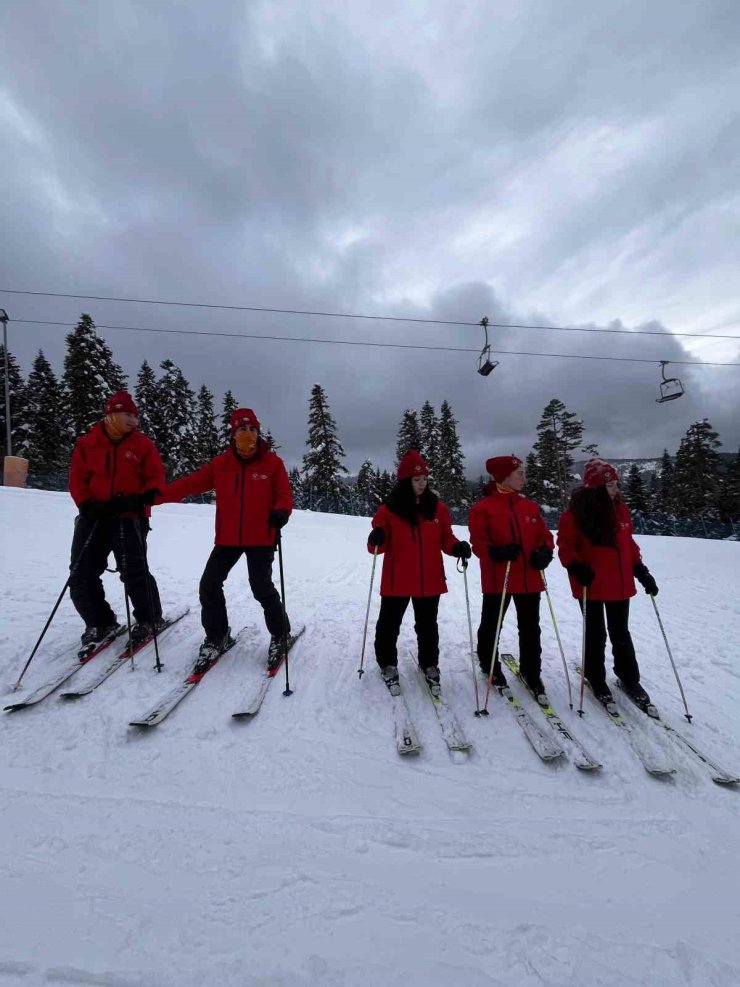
x: 566, y: 163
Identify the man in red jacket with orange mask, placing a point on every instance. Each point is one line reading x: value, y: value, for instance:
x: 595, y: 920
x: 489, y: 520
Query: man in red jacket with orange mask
x: 115, y: 473
x: 253, y: 501
x: 507, y: 529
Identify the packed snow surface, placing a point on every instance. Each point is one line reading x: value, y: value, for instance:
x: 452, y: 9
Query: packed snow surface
x: 298, y: 848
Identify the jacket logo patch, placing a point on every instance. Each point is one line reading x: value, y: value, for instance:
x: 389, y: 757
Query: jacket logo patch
x: 259, y: 476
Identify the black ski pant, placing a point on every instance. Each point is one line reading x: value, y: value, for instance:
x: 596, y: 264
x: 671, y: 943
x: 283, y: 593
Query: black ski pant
x: 528, y: 621
x: 221, y: 561
x: 126, y: 539
x: 388, y: 627
x: 617, y: 622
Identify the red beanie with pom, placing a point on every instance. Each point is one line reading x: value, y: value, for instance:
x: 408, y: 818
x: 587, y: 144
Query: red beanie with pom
x: 120, y: 401
x: 597, y: 473
x: 243, y: 416
x: 499, y: 467
x: 412, y: 464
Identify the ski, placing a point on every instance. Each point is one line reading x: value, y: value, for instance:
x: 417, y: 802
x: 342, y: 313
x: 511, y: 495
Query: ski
x: 547, y: 748
x: 407, y: 741
x: 253, y: 703
x: 452, y: 732
x: 719, y: 775
x: 174, y: 697
x: 120, y: 659
x: 581, y: 758
x: 82, y: 658
x: 653, y: 764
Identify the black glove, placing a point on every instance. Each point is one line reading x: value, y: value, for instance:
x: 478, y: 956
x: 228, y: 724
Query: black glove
x: 149, y: 496
x: 376, y: 538
x: 541, y: 557
x: 461, y: 550
x: 582, y: 573
x: 95, y: 510
x: 278, y: 518
x: 126, y: 504
x: 505, y: 553
x: 644, y: 576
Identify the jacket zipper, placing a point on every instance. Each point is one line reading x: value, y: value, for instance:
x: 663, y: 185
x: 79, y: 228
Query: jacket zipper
x: 241, y: 506
x: 421, y: 560
x: 521, y: 542
x: 113, y: 471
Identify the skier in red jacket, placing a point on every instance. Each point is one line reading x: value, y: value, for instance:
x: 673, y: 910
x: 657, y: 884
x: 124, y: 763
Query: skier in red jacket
x: 506, y: 528
x: 412, y: 529
x: 596, y: 546
x: 253, y: 501
x: 115, y: 474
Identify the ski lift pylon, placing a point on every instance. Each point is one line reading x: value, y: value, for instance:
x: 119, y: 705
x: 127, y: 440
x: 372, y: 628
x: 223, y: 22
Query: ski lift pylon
x: 485, y: 364
x: 670, y: 387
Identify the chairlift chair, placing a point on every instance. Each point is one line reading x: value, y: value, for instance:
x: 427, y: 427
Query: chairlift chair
x: 670, y: 387
x: 485, y: 364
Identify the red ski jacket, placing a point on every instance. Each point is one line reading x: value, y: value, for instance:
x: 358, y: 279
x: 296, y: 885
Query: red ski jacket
x: 412, y: 553
x: 101, y: 468
x: 613, y: 565
x: 502, y: 518
x: 246, y: 491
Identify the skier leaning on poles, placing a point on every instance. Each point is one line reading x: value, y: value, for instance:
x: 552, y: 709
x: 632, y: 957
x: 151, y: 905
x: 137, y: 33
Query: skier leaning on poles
x: 253, y: 501
x: 514, y: 545
x: 115, y: 474
x: 596, y: 546
x: 412, y: 529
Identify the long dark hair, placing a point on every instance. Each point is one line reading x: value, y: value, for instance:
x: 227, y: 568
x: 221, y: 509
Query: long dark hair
x: 402, y: 501
x: 595, y: 514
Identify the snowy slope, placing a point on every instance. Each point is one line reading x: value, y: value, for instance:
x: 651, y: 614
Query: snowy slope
x: 300, y: 849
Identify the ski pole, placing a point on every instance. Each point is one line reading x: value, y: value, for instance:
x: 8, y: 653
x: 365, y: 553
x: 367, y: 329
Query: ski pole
x: 560, y: 643
x: 287, y: 691
x: 675, y: 670
x: 124, y: 577
x: 583, y: 651
x: 72, y: 570
x: 484, y: 711
x: 470, y: 635
x: 149, y: 594
x: 361, y: 670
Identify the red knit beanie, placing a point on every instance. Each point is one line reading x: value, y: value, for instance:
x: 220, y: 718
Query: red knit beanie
x: 412, y: 464
x: 120, y: 401
x: 499, y: 467
x: 597, y: 473
x: 243, y: 416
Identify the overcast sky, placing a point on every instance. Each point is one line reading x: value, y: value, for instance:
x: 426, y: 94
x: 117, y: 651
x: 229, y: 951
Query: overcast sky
x: 561, y: 162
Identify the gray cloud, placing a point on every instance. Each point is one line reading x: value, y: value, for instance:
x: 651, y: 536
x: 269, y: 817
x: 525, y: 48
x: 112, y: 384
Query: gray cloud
x: 560, y: 163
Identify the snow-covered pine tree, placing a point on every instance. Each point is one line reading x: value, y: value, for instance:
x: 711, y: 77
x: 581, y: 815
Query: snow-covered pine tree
x: 90, y: 376
x: 559, y: 432
x: 272, y: 443
x: 322, y: 464
x: 206, y: 432
x: 48, y: 447
x: 173, y: 422
x: 383, y: 483
x: 409, y: 435
x: 18, y: 409
x: 450, y: 480
x: 665, y: 495
x: 365, y: 481
x: 429, y: 429
x: 729, y: 499
x: 534, y: 489
x: 230, y: 406
x: 296, y: 485
x: 634, y: 490
x: 696, y: 474
x: 145, y: 397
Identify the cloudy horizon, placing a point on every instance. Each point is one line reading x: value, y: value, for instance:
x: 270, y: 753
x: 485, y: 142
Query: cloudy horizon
x: 566, y: 165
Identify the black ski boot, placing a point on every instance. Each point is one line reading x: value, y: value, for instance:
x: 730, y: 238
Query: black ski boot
x: 144, y: 629
x: 210, y: 652
x: 640, y: 698
x: 431, y: 674
x: 537, y: 689
x: 276, y: 651
x: 391, y: 679
x: 604, y: 695
x: 93, y: 636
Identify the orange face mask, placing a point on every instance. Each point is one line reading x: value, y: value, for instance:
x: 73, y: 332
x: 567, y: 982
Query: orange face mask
x: 246, y: 442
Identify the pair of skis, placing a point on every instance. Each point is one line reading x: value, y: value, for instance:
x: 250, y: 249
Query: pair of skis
x: 165, y: 705
x: 407, y: 741
x: 83, y: 657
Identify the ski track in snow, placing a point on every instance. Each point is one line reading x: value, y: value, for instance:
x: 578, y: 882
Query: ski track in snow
x: 299, y: 849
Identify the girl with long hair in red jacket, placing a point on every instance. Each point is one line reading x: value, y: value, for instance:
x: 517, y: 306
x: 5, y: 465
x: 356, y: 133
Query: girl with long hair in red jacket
x: 412, y: 529
x: 507, y: 529
x: 596, y: 546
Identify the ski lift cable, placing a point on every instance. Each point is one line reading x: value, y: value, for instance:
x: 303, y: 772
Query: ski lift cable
x: 356, y: 342
x: 374, y: 318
